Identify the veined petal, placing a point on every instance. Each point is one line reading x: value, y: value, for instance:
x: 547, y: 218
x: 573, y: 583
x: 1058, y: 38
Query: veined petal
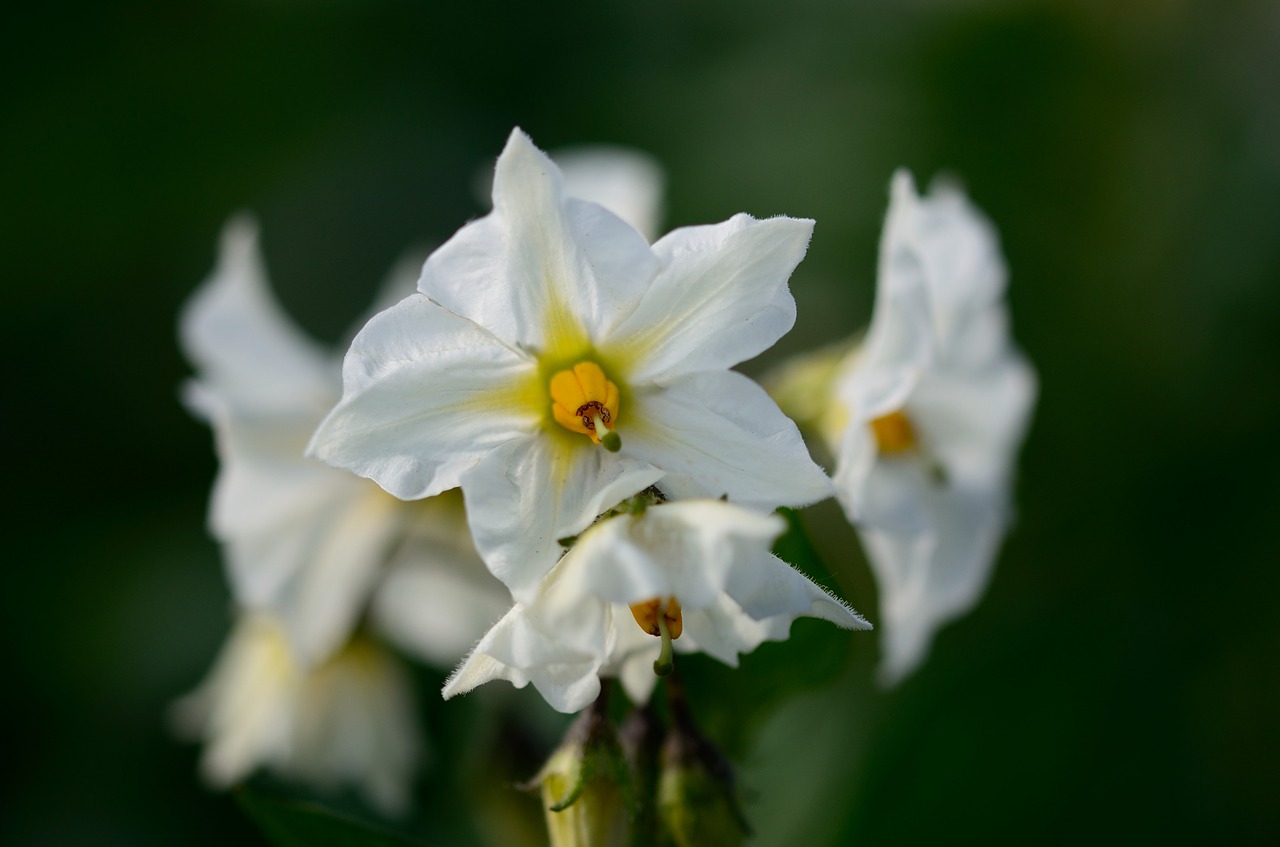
x: 719, y: 433
x: 249, y: 354
x: 532, y: 491
x: 721, y: 297
x: 542, y: 271
x: 427, y: 393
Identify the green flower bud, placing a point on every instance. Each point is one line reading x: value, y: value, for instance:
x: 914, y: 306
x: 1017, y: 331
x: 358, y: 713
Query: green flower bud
x: 697, y: 800
x: 586, y: 784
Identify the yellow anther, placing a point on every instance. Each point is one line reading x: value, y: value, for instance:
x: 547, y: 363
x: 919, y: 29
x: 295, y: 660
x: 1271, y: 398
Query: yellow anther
x: 584, y: 400
x: 648, y: 612
x: 894, y: 433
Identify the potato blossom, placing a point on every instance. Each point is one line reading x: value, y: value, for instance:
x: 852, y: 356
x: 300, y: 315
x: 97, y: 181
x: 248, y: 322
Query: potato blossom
x: 303, y: 541
x: 348, y: 721
x: 694, y: 575
x: 554, y: 362
x: 935, y: 405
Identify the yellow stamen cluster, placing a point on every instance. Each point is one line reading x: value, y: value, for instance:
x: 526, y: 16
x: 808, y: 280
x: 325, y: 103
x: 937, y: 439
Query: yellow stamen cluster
x: 648, y: 612
x: 894, y: 433
x: 585, y: 401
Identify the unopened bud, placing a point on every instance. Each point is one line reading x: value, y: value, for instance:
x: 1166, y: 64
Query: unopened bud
x: 585, y: 785
x: 697, y: 799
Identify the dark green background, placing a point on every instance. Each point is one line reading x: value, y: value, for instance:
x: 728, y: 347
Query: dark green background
x: 1118, y: 683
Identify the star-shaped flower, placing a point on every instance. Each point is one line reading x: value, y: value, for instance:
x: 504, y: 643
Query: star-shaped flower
x: 937, y: 403
x: 694, y: 575
x: 348, y: 721
x: 554, y: 362
x: 304, y: 541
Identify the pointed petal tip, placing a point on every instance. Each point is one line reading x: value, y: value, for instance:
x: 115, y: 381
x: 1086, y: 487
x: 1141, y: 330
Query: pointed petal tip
x: 240, y: 227
x: 902, y: 184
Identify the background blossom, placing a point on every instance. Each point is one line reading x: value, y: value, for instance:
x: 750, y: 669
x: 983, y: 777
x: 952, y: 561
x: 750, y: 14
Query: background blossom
x: 937, y: 401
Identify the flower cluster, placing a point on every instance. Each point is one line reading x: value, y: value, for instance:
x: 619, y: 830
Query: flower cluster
x: 540, y: 465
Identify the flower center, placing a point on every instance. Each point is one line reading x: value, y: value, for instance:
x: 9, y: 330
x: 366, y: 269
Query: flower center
x: 894, y: 433
x: 648, y: 613
x: 585, y: 401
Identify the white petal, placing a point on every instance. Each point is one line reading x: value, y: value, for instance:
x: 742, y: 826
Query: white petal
x: 249, y: 354
x: 632, y: 657
x: 355, y: 723
x: 720, y: 299
x: 719, y: 433
x: 303, y: 540
x: 401, y: 281
x: 243, y: 708
x: 519, y: 650
x: 684, y: 549
x: 929, y: 579
x: 540, y: 266
x: 426, y: 395
x: 724, y: 632
x: 436, y: 598
x: 625, y: 181
x: 973, y: 423
x: 950, y: 245
x: 766, y: 587
x: 890, y: 493
x: 345, y: 548
x: 529, y: 493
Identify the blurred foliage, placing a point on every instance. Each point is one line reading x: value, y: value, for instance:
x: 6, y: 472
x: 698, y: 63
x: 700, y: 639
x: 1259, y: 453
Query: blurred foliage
x: 1121, y: 668
x: 292, y: 824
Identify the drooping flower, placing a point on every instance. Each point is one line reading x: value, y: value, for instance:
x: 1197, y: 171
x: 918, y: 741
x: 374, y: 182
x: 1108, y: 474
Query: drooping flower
x: 304, y: 542
x: 347, y: 722
x: 697, y: 574
x: 554, y: 362
x: 937, y: 403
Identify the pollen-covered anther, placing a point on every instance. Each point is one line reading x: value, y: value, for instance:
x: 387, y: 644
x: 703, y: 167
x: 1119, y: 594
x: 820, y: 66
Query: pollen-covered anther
x: 585, y: 401
x: 894, y: 433
x: 650, y: 612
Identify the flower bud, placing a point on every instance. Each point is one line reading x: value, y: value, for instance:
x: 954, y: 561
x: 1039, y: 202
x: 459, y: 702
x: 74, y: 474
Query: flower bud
x: 697, y: 799
x: 586, y: 786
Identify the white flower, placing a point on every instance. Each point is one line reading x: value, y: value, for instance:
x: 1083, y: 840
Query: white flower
x: 938, y: 401
x: 303, y: 540
x: 700, y: 569
x: 349, y: 721
x: 549, y: 334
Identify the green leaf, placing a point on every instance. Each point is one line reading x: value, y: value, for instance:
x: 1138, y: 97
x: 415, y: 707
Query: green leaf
x: 289, y: 823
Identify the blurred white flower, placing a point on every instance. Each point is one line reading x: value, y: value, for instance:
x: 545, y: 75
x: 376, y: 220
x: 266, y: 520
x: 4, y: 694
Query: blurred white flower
x: 347, y: 722
x: 937, y: 403
x: 697, y: 573
x: 626, y: 182
x: 303, y: 540
x: 554, y: 362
